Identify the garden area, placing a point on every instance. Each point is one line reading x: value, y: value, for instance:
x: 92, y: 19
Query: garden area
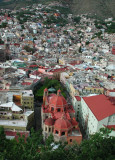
x: 52, y: 85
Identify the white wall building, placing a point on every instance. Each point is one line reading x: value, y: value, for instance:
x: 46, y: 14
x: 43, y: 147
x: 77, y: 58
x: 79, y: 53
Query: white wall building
x: 96, y: 112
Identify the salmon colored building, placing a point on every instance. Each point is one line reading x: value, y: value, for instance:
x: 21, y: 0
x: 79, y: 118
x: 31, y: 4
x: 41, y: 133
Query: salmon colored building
x: 58, y: 118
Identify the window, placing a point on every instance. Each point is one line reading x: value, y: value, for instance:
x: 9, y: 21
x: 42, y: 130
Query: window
x: 49, y: 129
x: 69, y: 132
x: 56, y: 132
x: 70, y: 140
x: 52, y: 109
x: 46, y: 129
x: 58, y: 109
x: 63, y: 133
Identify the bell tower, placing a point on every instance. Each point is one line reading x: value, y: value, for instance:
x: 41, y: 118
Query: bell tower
x: 45, y: 96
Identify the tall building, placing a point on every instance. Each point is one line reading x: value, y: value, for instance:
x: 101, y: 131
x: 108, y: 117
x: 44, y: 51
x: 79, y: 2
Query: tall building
x: 96, y: 112
x: 27, y: 99
x: 58, y: 118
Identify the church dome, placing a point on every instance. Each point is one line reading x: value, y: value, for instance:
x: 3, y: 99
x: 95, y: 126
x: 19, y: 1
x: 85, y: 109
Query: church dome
x: 62, y: 123
x: 58, y: 101
x: 49, y: 122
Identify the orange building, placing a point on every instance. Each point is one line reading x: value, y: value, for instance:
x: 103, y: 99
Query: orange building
x: 58, y: 118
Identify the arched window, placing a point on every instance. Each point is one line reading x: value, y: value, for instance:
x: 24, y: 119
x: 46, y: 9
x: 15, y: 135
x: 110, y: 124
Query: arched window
x: 63, y: 133
x: 52, y: 109
x: 58, y: 109
x: 56, y: 132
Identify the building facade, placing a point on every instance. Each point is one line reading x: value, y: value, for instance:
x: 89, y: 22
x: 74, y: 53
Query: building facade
x: 27, y: 99
x: 58, y: 118
x: 13, y: 118
x: 96, y: 112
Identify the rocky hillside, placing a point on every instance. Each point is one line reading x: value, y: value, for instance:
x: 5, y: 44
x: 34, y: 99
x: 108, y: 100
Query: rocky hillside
x: 102, y: 8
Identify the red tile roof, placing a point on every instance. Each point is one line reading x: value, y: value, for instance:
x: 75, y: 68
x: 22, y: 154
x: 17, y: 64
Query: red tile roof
x: 16, y: 44
x: 112, y: 90
x: 14, y: 134
x: 59, y: 70
x: 49, y: 122
x: 111, y: 127
x: 62, y: 124
x: 100, y: 106
x: 78, y: 98
x: 26, y: 83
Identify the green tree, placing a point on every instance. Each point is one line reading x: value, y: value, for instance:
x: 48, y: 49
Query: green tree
x: 87, y: 42
x: 1, y: 41
x: 80, y: 49
x: 77, y: 19
x: 3, y: 25
x: 99, y: 146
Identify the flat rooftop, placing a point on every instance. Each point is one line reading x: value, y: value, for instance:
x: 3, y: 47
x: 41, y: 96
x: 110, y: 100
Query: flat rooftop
x: 75, y: 133
x: 15, y: 123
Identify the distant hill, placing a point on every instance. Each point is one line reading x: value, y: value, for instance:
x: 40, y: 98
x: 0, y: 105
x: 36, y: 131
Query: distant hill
x: 11, y: 4
x: 102, y: 8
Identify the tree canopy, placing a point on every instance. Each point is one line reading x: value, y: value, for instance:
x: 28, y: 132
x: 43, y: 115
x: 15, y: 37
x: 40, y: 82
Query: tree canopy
x: 48, y: 83
x: 100, y: 146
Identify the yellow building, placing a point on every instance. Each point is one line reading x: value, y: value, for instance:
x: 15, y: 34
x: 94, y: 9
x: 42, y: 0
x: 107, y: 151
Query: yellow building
x: 62, y: 61
x: 97, y: 90
x: 73, y: 91
x: 27, y: 99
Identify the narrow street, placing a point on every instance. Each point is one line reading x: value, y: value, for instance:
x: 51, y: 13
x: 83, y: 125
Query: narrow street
x: 37, y: 116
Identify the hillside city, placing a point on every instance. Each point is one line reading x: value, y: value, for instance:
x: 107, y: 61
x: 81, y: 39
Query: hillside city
x: 47, y: 43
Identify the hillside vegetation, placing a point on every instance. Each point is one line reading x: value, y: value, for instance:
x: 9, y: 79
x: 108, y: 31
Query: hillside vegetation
x: 96, y: 8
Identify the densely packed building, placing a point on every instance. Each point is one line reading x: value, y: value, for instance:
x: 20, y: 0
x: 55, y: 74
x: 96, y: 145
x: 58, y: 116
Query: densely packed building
x: 40, y: 41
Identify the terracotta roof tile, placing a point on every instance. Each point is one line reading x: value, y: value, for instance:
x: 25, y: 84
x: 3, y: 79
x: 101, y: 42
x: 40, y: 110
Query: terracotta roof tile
x: 100, y: 106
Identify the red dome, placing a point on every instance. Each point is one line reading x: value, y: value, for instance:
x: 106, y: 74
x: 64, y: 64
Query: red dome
x: 58, y: 115
x: 57, y: 101
x: 49, y: 122
x: 62, y: 123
